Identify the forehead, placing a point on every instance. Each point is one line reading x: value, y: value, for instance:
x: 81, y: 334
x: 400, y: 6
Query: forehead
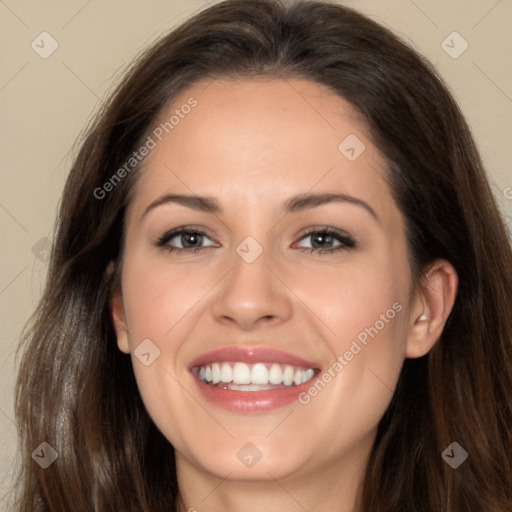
x: 255, y: 140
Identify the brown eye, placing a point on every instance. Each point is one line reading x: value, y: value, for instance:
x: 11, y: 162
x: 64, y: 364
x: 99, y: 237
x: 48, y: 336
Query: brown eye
x: 322, y: 241
x: 190, y: 240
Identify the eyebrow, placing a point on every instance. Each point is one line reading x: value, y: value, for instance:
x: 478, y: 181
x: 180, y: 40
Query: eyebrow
x: 297, y: 203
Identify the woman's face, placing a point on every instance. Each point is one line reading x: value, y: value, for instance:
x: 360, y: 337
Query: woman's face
x: 254, y: 354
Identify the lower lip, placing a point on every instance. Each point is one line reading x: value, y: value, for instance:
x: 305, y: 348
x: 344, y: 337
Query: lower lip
x: 245, y: 402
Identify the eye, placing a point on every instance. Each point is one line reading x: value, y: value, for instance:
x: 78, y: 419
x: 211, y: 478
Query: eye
x: 190, y: 239
x: 322, y: 241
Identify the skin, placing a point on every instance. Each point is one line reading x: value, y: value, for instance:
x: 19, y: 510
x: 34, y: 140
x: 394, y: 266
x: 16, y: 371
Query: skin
x: 252, y: 144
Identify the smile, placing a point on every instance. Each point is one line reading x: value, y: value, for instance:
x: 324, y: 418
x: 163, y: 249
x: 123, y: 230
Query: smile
x: 240, y: 376
x: 245, y: 380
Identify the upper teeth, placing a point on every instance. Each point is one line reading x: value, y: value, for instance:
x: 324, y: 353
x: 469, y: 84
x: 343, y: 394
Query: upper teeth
x: 259, y: 373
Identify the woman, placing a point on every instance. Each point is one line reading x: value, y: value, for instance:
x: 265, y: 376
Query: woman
x: 279, y: 280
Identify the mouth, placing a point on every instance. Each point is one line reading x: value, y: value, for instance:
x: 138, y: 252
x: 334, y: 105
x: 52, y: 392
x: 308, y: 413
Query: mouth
x: 239, y: 376
x: 244, y: 380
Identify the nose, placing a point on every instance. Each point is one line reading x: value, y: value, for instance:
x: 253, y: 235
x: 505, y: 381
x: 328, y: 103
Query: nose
x: 252, y: 294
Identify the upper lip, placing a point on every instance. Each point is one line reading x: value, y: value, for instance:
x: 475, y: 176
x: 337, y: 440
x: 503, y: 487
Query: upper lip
x: 251, y: 355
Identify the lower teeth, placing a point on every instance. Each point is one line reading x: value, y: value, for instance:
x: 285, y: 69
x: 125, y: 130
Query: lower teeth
x: 248, y: 387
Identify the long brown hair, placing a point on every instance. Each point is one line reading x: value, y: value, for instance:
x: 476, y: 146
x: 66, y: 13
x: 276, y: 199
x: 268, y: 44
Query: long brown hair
x: 76, y: 390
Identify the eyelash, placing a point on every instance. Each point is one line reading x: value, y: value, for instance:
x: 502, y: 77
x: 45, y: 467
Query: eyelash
x: 347, y: 242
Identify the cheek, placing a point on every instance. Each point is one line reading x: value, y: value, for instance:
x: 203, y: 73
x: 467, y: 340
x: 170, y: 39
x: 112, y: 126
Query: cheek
x: 158, y: 300
x: 159, y: 307
x: 361, y: 302
x: 363, y: 319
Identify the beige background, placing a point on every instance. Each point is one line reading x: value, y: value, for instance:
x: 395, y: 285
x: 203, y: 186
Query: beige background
x: 45, y: 103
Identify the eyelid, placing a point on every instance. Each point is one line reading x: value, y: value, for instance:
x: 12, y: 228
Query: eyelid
x: 325, y: 229
x: 171, y: 233
x: 346, y: 240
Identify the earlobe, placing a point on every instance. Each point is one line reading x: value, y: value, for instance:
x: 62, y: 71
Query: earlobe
x: 432, y: 307
x: 119, y: 321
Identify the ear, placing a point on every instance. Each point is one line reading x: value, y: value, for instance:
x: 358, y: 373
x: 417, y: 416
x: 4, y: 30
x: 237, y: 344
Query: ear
x: 119, y: 320
x: 432, y: 306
